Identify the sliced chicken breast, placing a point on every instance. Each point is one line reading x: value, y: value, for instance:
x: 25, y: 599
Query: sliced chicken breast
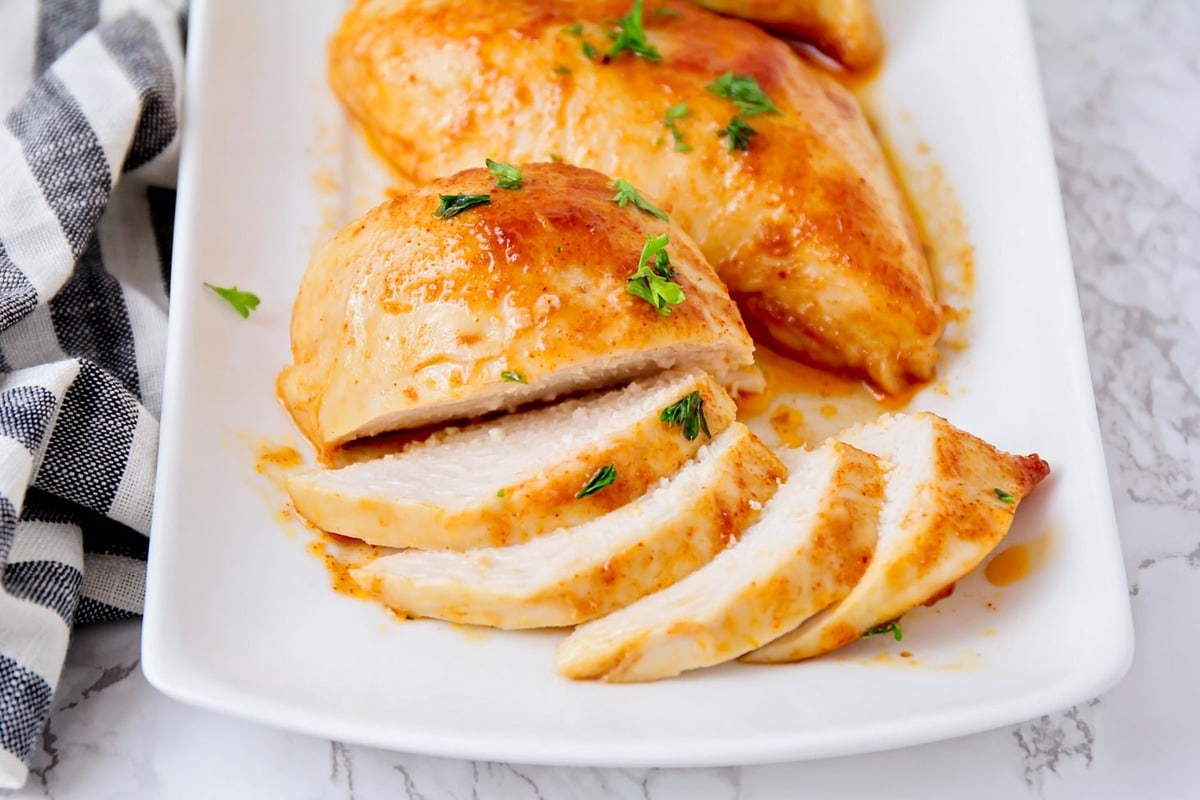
x: 844, y: 30
x: 801, y: 217
x: 423, y: 312
x: 807, y: 550
x: 949, y: 498
x: 589, y: 570
x: 517, y: 477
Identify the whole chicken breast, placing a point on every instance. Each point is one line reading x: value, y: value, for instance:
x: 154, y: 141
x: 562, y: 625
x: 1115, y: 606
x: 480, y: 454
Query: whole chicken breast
x: 407, y: 318
x: 805, y: 225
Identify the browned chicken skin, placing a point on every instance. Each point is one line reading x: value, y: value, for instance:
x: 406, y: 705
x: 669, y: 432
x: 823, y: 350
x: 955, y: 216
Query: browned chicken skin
x: 407, y: 319
x: 807, y: 227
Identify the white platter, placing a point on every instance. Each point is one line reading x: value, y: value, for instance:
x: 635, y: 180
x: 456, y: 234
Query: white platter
x: 239, y: 618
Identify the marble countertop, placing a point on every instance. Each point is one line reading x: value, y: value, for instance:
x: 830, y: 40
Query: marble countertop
x: 1122, y: 82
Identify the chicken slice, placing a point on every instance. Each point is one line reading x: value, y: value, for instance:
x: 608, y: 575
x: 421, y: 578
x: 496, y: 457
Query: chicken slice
x: 844, y: 30
x: 949, y: 498
x: 806, y: 226
x: 807, y: 550
x: 407, y: 318
x: 587, y: 571
x: 514, y: 478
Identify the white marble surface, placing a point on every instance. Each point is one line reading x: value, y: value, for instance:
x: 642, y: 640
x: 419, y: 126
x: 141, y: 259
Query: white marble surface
x: 1122, y: 82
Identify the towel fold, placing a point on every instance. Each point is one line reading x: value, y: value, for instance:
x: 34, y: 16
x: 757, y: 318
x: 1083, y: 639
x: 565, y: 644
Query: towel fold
x: 90, y: 95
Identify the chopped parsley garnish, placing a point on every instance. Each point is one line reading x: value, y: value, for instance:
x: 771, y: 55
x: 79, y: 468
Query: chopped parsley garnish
x: 603, y: 478
x: 688, y: 414
x: 744, y: 92
x: 555, y: 157
x: 627, y: 193
x: 589, y: 51
x: 631, y: 35
x: 574, y: 30
x: 670, y: 121
x: 242, y: 302
x: 452, y: 205
x: 513, y: 377
x: 652, y: 281
x: 507, y: 176
x: 892, y: 627
x: 739, y: 134
x: 1004, y: 496
x: 501, y: 493
x: 562, y: 69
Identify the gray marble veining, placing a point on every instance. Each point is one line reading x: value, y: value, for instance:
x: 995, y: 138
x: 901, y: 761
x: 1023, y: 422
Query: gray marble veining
x: 1122, y: 84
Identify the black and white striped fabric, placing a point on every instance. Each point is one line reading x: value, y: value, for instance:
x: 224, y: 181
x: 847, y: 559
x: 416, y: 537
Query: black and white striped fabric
x: 90, y: 96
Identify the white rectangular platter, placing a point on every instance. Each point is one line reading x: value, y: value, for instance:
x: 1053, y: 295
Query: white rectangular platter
x: 239, y: 618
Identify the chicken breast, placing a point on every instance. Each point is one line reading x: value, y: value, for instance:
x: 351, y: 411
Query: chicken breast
x: 408, y: 318
x: 844, y: 30
x: 807, y: 550
x: 517, y: 477
x: 806, y: 225
x: 589, y: 570
x: 949, y: 498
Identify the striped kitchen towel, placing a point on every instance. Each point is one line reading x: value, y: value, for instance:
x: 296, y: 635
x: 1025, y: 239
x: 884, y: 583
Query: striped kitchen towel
x: 90, y: 95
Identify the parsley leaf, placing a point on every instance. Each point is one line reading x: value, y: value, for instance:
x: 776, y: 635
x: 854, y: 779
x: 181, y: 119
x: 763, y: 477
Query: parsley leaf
x: 242, y: 302
x: 501, y: 493
x: 652, y: 281
x: 892, y: 627
x: 452, y: 205
x: 513, y: 377
x: 670, y: 121
x: 574, y: 30
x: 688, y: 414
x: 603, y: 478
x: 589, y: 51
x: 556, y: 158
x: 631, y: 36
x: 744, y: 92
x: 662, y: 265
x: 739, y: 134
x: 562, y: 69
x: 1005, y: 496
x: 507, y: 176
x: 627, y: 193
